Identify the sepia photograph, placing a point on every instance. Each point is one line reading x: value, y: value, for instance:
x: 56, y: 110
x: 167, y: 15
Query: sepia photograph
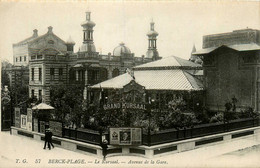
x: 127, y: 83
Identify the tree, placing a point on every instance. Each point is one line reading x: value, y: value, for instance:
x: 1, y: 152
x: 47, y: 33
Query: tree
x: 68, y: 104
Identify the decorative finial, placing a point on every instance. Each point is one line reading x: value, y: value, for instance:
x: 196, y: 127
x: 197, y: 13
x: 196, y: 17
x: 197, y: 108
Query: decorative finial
x: 88, y: 13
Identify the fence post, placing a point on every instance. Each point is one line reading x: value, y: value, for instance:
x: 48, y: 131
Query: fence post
x: 76, y: 133
x: 149, y: 137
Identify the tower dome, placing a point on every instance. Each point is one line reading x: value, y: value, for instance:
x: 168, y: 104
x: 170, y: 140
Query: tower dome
x: 152, y: 32
x: 88, y: 22
x: 70, y: 41
x: 121, y: 50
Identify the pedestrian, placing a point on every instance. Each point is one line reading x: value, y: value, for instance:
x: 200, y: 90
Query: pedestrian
x: 104, y: 148
x: 46, y: 137
x: 50, y: 138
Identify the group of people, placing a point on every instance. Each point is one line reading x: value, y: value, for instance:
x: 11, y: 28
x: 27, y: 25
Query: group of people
x: 48, y: 139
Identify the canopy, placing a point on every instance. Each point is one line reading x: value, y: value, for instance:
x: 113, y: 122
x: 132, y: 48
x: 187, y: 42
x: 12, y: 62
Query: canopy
x: 43, y: 106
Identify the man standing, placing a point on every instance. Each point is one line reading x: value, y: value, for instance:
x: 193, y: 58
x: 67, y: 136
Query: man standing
x: 47, y: 137
x: 104, y: 148
x: 50, y: 138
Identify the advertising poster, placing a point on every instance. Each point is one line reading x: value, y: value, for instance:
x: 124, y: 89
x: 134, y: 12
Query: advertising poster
x: 17, y: 117
x: 42, y: 126
x: 56, y: 128
x: 136, y: 136
x: 29, y: 119
x: 114, y: 136
x: 125, y: 136
x: 23, y: 121
x: 35, y: 125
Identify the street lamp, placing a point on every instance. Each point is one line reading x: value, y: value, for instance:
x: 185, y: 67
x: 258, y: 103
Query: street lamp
x: 151, y: 101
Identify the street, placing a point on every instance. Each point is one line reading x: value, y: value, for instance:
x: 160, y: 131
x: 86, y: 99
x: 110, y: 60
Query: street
x: 18, y: 151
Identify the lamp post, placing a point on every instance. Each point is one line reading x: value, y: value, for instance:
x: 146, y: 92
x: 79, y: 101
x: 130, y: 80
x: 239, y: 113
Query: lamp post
x: 151, y: 101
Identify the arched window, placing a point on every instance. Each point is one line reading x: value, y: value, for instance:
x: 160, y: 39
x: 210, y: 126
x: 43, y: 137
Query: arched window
x: 103, y: 74
x: 115, y: 72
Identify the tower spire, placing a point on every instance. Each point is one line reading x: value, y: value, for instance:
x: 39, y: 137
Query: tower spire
x: 88, y: 25
x: 152, y: 46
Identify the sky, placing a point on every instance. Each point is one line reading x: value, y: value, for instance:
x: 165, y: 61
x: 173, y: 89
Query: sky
x: 180, y: 24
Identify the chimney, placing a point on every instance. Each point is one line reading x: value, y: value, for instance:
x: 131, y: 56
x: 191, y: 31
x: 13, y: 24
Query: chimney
x: 35, y: 33
x: 49, y: 29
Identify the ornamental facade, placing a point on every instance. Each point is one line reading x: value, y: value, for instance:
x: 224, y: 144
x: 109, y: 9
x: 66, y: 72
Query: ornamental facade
x: 51, y: 61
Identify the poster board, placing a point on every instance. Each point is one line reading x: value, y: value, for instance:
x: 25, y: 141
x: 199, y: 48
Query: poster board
x: 17, y: 117
x: 29, y: 119
x: 56, y: 128
x: 35, y: 125
x: 125, y: 136
x: 23, y: 121
x: 42, y: 126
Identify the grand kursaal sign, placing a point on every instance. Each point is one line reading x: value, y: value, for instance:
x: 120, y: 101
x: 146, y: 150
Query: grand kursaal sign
x: 112, y: 106
x: 133, y: 98
x: 125, y: 136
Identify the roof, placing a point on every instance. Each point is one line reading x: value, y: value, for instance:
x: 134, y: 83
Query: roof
x: 171, y: 61
x: 43, y: 106
x: 32, y: 38
x: 199, y: 73
x: 238, y: 47
x: 121, y: 49
x: 174, y: 79
x: 27, y: 40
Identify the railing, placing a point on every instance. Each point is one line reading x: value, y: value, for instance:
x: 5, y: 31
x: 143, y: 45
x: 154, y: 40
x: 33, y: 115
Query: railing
x: 173, y: 135
x: 166, y: 136
x: 88, y: 136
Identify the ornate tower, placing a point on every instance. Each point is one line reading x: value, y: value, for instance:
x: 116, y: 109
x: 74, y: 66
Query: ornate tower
x: 88, y: 44
x: 152, y: 47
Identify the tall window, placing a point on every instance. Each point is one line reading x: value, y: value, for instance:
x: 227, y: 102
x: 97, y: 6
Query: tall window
x: 20, y: 59
x: 40, y: 94
x: 32, y: 93
x: 60, y: 73
x: 16, y: 59
x: 80, y: 75
x: 40, y: 74
x: 32, y: 74
x: 52, y: 73
x: 115, y: 73
x: 24, y: 58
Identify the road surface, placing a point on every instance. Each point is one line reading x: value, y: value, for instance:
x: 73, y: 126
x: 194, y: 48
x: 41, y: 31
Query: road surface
x: 19, y: 151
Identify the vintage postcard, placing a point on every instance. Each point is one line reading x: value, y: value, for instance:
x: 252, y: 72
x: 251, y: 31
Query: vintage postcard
x: 130, y: 83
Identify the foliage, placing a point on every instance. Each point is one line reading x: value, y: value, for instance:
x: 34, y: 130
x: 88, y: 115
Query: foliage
x: 248, y: 112
x: 68, y: 104
x: 177, y: 119
x: 217, y: 118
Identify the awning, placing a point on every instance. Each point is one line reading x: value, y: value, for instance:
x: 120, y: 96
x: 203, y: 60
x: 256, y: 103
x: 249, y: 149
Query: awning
x: 43, y: 106
x: 78, y: 66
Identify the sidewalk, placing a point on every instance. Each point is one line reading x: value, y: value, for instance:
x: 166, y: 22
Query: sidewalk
x: 218, y: 155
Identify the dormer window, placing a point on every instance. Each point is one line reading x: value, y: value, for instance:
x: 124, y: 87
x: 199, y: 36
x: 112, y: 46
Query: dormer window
x: 50, y: 42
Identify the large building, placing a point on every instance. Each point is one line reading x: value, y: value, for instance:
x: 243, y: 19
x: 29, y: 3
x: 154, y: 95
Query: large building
x: 53, y: 62
x: 166, y: 80
x: 231, y: 64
